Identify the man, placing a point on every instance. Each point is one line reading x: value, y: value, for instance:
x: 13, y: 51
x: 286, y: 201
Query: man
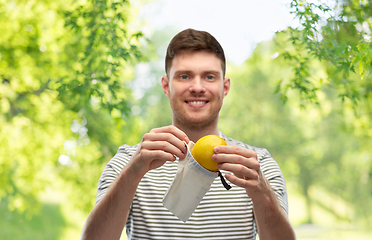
x: 133, y: 184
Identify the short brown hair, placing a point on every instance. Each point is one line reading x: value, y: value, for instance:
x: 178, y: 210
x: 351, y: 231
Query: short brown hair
x: 191, y: 40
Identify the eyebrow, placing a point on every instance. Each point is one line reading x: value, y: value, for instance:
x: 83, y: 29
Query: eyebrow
x: 213, y: 72
x: 182, y: 72
x: 190, y: 72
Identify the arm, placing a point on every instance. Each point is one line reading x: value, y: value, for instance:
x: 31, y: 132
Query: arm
x: 272, y: 221
x: 109, y: 215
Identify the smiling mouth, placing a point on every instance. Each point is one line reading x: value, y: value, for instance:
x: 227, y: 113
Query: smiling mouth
x: 196, y: 102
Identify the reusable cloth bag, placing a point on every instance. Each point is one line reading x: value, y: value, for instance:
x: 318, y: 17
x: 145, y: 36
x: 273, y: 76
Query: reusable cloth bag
x: 188, y: 188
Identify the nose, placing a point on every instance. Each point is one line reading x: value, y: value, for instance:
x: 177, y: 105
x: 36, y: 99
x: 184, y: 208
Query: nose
x: 197, y: 86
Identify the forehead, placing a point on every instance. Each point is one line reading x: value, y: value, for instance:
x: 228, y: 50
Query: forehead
x: 200, y: 61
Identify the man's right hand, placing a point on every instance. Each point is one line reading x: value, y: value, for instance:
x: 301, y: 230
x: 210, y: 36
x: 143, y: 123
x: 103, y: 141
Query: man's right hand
x: 157, y: 147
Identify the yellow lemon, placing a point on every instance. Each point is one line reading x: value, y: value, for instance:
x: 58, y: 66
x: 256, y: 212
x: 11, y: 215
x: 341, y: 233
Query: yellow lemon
x: 203, y: 151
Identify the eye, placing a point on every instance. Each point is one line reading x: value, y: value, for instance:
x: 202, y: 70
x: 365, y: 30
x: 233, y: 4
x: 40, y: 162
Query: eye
x: 210, y: 77
x: 184, y: 77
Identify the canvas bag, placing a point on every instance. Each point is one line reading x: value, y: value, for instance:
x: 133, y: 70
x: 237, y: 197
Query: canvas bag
x: 191, y: 183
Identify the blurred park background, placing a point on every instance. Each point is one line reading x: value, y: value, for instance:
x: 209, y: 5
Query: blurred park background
x: 80, y: 78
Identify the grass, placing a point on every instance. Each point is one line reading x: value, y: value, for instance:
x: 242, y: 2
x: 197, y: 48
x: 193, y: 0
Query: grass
x: 318, y: 232
x: 326, y: 226
x: 48, y: 223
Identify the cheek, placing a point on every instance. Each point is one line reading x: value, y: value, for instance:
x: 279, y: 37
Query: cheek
x: 177, y: 89
x: 219, y: 91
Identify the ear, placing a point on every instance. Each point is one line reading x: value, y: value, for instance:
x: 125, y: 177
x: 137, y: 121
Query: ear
x: 226, y: 86
x: 165, y: 85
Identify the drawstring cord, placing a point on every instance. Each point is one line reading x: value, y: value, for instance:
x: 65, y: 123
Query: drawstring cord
x: 223, y: 181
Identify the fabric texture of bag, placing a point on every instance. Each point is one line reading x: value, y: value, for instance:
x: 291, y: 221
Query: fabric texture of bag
x: 189, y: 186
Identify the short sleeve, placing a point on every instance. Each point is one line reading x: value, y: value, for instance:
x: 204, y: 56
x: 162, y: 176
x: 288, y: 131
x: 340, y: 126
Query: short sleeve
x: 114, y: 168
x: 270, y: 169
x: 273, y: 174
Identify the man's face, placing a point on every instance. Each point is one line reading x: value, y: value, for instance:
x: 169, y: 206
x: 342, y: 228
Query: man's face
x: 195, y: 87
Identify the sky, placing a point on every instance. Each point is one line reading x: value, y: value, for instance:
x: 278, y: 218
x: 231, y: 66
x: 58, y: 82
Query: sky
x: 237, y: 24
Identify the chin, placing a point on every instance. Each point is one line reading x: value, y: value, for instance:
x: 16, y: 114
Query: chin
x: 199, y: 123
x: 195, y: 120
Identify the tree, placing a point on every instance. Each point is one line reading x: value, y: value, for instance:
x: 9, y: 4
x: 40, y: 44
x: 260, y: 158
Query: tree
x: 339, y: 36
x: 64, y: 95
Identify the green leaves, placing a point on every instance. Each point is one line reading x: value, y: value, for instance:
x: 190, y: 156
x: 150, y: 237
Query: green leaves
x: 105, y: 47
x: 302, y: 62
x: 329, y: 55
x: 62, y: 62
x: 339, y: 37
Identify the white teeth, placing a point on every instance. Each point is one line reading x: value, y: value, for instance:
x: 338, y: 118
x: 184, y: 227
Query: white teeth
x: 197, y: 102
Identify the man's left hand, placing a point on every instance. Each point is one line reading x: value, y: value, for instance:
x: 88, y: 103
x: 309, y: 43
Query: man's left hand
x: 245, y: 167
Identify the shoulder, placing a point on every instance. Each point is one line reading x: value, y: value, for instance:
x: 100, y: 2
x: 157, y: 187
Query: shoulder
x: 114, y: 167
x: 127, y: 149
x: 121, y: 158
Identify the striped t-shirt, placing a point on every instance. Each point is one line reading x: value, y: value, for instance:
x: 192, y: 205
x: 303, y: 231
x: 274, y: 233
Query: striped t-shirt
x: 221, y: 214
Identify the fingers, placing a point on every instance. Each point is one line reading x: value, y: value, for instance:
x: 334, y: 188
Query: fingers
x: 164, y: 142
x: 240, y: 171
x: 242, y: 182
x: 157, y: 155
x: 236, y: 155
x: 239, y: 161
x: 173, y: 130
x: 157, y: 147
x: 167, y: 139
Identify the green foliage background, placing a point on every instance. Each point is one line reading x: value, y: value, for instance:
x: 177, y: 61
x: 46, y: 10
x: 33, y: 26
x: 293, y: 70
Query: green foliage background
x: 78, y: 80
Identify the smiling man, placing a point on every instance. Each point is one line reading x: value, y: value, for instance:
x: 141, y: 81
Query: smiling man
x: 133, y: 184
x: 196, y: 87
